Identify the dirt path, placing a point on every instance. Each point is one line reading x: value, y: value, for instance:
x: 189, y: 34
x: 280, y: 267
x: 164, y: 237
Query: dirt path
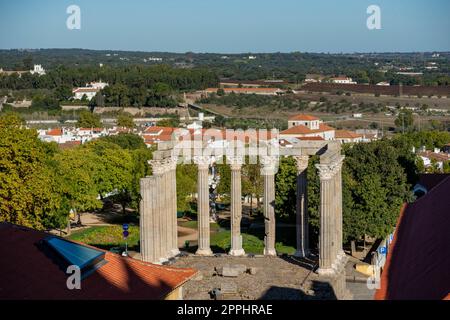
x: 186, y: 234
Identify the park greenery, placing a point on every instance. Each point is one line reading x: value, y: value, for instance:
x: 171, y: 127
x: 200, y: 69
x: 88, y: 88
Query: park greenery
x: 41, y: 184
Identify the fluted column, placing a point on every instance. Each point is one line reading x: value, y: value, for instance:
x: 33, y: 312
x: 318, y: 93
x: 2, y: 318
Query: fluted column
x: 146, y: 220
x: 327, y: 239
x: 203, y: 206
x: 302, y: 224
x: 341, y: 253
x: 268, y: 170
x: 236, y: 206
x: 159, y: 172
x: 173, y: 206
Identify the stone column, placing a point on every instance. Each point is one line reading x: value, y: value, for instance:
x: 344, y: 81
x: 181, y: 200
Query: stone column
x: 203, y: 218
x: 145, y: 218
x: 327, y: 208
x: 302, y: 224
x: 160, y: 231
x: 268, y: 170
x: 173, y: 205
x: 236, y: 206
x: 341, y: 253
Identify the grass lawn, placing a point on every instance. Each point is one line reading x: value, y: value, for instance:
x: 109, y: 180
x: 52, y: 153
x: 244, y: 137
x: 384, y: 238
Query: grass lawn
x: 107, y: 237
x: 193, y: 225
x: 221, y: 242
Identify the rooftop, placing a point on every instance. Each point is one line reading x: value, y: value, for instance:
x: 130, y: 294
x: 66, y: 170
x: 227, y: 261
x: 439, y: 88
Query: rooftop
x: 33, y: 272
x: 417, y: 267
x: 301, y: 129
x: 303, y: 117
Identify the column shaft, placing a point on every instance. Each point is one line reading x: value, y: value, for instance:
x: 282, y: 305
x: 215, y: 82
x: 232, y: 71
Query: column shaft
x: 302, y: 223
x: 268, y: 172
x: 203, y: 209
x: 174, y: 227
x: 327, y: 220
x: 236, y: 210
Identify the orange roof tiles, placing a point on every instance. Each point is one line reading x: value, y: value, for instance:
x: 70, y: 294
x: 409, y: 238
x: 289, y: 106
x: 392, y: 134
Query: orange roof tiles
x: 55, y: 132
x: 311, y: 138
x: 33, y: 275
x: 301, y: 129
x: 238, y: 90
x: 303, y: 117
x: 346, y: 134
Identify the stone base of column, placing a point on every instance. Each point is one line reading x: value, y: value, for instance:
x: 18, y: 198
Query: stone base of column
x: 328, y: 272
x: 237, y: 252
x: 204, y: 252
x: 301, y: 253
x: 162, y: 260
x: 270, y: 252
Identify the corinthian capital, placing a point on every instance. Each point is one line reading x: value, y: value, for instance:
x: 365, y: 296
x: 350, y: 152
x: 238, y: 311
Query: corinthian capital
x: 301, y: 162
x: 203, y: 162
x: 235, y: 162
x: 326, y: 171
x: 269, y: 165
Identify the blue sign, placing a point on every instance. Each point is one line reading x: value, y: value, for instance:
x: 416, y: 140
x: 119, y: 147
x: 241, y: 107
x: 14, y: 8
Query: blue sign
x: 125, y: 234
x: 125, y: 226
x: 382, y: 250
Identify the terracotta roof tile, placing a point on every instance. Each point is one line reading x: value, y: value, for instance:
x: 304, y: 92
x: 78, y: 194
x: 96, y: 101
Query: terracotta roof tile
x: 346, y: 134
x: 303, y: 117
x: 33, y: 275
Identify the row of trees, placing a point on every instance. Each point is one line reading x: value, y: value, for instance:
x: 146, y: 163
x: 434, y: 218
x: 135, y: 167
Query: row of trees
x: 40, y: 184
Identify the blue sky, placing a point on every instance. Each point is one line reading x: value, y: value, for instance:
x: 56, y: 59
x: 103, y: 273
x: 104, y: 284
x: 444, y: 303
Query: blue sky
x: 228, y: 26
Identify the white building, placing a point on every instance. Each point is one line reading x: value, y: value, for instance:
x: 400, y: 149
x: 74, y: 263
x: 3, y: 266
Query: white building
x: 307, y: 127
x: 343, y: 80
x: 38, y: 69
x: 97, y: 85
x: 90, y: 93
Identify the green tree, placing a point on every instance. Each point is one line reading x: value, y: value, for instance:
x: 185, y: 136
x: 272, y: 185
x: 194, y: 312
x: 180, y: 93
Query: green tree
x: 89, y: 120
x: 285, y: 195
x: 186, y: 185
x: 29, y: 195
x: 405, y: 120
x: 125, y: 120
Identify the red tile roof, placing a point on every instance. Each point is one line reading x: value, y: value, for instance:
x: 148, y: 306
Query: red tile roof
x: 417, y: 266
x: 30, y: 274
x: 55, y: 132
x: 301, y: 129
x: 239, y: 90
x: 85, y: 90
x: 159, y: 130
x: 435, y: 156
x: 311, y: 138
x: 346, y: 134
x: 303, y: 117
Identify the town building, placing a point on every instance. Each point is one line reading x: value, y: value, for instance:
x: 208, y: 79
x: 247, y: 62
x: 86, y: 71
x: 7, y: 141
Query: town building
x: 89, y: 91
x: 259, y: 91
x: 347, y: 136
x: 38, y: 69
x: 342, y: 80
x: 434, y: 158
x: 38, y: 261
x: 306, y: 126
